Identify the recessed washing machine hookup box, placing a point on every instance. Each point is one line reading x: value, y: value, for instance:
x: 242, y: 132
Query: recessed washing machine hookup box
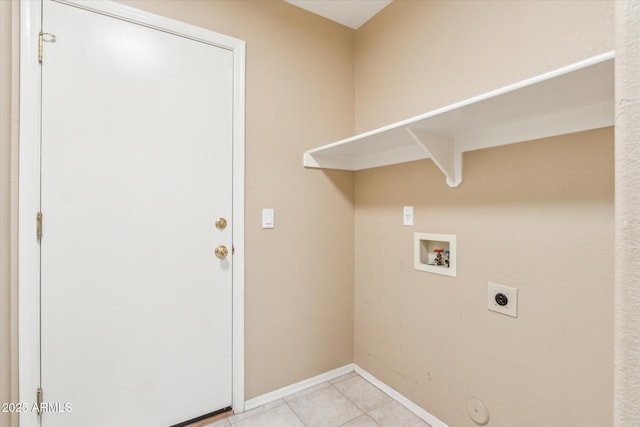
x: 435, y: 253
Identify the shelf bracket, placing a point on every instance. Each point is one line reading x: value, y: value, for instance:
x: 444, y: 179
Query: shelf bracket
x: 442, y: 150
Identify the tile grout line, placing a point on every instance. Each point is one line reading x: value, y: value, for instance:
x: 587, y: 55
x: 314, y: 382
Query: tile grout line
x: 295, y: 413
x: 334, y: 384
x: 349, y: 399
x: 364, y: 411
x: 343, y: 378
x: 381, y: 404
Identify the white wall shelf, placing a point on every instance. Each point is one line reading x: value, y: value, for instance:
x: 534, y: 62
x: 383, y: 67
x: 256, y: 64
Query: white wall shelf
x: 571, y: 99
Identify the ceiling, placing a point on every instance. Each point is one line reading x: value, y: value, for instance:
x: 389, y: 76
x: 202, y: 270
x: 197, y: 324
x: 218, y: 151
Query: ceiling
x: 352, y: 13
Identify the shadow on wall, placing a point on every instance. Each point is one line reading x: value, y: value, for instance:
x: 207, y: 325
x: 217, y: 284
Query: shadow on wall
x: 340, y: 180
x: 569, y: 168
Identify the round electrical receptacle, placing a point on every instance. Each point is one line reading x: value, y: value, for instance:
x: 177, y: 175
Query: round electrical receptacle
x: 477, y: 411
x: 501, y: 299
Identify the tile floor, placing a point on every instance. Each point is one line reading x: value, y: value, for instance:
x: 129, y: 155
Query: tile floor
x: 347, y: 401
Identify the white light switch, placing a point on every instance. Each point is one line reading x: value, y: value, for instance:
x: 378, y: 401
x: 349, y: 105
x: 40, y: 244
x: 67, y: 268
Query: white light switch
x: 407, y: 215
x: 268, y: 218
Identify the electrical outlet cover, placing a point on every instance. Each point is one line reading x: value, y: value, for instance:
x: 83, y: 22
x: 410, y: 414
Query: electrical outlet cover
x: 511, y: 294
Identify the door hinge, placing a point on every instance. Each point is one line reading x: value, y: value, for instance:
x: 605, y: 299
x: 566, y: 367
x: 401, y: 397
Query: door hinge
x: 39, y: 225
x: 39, y: 401
x: 44, y: 37
x: 40, y: 46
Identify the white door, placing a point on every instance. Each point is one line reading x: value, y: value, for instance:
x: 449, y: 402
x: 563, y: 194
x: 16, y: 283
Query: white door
x: 136, y: 167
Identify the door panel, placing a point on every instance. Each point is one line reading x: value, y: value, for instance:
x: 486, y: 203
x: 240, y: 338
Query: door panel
x: 136, y: 167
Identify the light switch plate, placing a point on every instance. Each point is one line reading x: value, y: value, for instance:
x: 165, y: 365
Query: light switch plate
x: 506, y: 295
x: 407, y: 215
x: 268, y: 218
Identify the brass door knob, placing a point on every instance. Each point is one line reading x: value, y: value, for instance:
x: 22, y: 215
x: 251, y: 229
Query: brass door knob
x: 222, y: 252
x: 221, y: 223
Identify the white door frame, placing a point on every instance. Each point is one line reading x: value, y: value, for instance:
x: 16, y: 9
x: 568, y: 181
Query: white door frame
x: 29, y: 193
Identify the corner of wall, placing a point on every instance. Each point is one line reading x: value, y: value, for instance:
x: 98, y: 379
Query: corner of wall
x: 627, y: 206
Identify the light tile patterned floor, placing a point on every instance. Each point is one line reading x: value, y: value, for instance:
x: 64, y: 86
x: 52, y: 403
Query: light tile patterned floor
x: 347, y: 401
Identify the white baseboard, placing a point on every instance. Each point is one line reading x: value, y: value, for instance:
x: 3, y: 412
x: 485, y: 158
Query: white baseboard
x: 401, y: 399
x: 294, y: 388
x: 327, y: 376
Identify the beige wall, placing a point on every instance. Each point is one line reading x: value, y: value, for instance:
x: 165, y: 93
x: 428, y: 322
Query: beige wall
x: 417, y: 55
x: 8, y: 196
x: 536, y: 215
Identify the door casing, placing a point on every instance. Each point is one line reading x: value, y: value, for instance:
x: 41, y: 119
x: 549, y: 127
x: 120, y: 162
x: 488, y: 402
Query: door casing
x: 29, y: 193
